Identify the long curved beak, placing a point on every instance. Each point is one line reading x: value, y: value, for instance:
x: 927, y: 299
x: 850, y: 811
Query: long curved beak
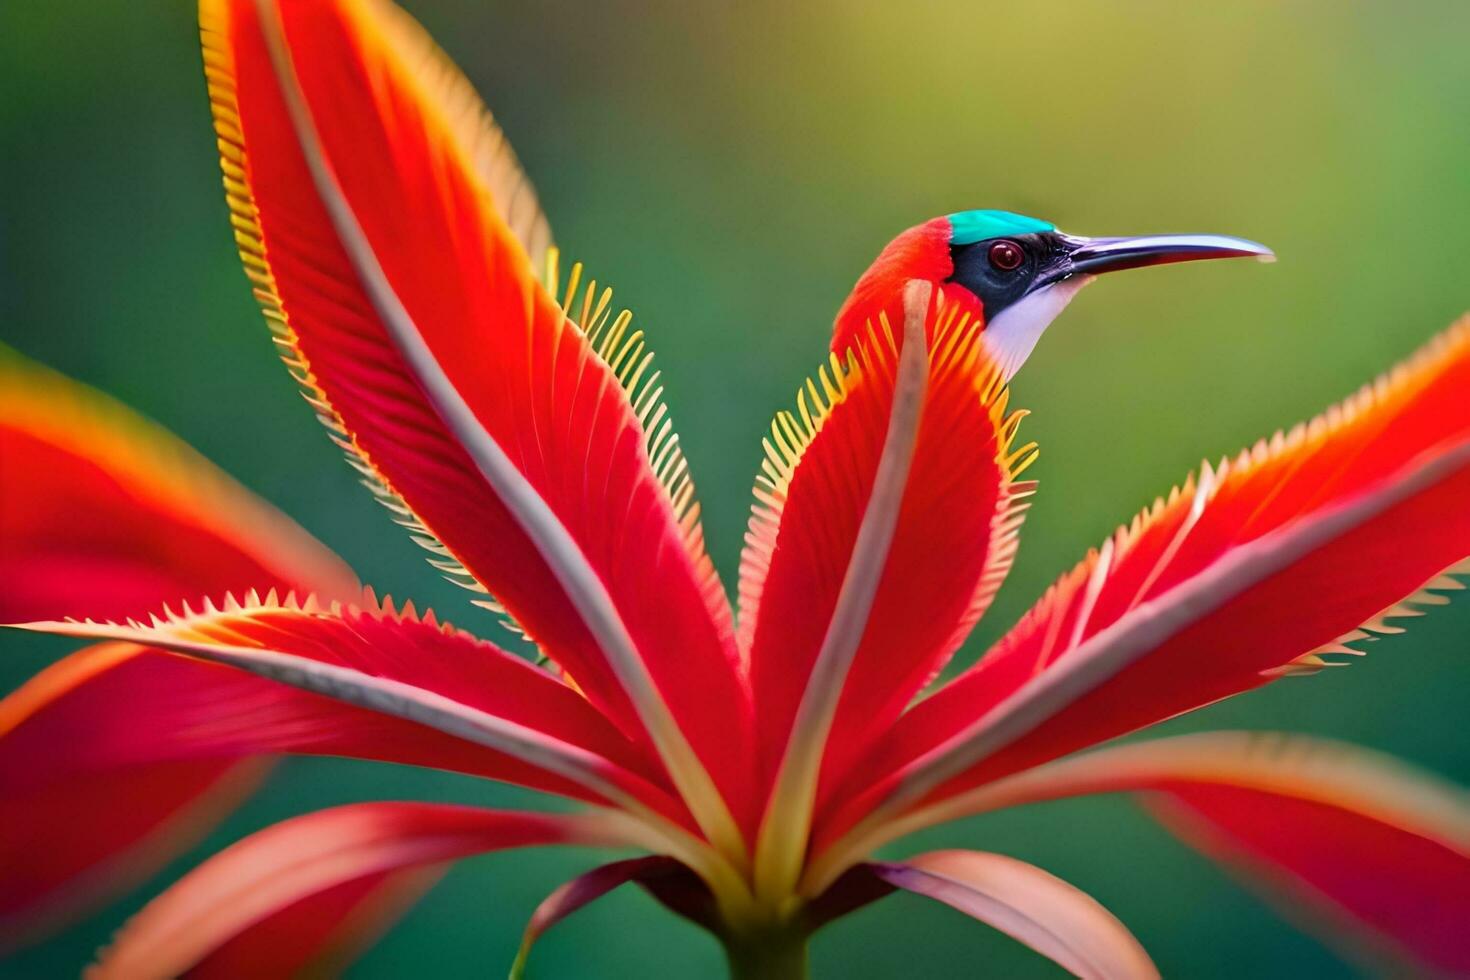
x: 1093, y: 256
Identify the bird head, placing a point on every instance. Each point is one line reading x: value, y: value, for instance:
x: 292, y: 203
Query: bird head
x: 1015, y: 274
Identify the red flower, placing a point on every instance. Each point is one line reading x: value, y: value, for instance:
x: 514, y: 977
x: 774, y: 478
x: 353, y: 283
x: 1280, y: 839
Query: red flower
x: 513, y: 423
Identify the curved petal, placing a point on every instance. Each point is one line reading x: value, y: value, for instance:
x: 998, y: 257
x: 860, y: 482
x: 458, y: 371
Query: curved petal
x: 72, y: 844
x: 1355, y: 846
x: 1385, y: 896
x: 1262, y: 568
x: 321, y: 934
x: 305, y: 857
x: 105, y: 514
x: 885, y: 522
x: 413, y: 314
x: 1029, y: 905
x: 362, y: 681
x: 580, y: 892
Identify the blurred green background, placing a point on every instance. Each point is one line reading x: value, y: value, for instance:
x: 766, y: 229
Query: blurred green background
x: 732, y: 168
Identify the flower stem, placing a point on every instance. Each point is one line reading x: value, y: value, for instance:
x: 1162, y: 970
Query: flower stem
x: 769, y: 954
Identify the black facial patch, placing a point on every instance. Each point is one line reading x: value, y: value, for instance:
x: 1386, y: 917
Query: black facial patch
x: 1045, y: 261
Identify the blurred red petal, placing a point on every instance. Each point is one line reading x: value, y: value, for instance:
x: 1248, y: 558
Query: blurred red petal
x: 295, y: 863
x: 105, y: 514
x: 1357, y: 846
x: 1386, y: 895
x: 71, y: 845
x: 322, y: 934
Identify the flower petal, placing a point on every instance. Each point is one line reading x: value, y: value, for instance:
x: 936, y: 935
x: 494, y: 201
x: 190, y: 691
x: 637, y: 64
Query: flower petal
x: 844, y: 625
x: 1357, y: 840
x: 275, y: 869
x: 412, y: 312
x: 71, y: 845
x: 582, y: 891
x: 105, y: 514
x: 367, y: 682
x: 1383, y: 894
x: 1261, y: 568
x: 322, y: 934
x: 1029, y: 905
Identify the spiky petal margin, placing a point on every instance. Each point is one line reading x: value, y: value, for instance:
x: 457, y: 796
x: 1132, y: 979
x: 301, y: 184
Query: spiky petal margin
x: 839, y: 662
x: 394, y: 663
x: 528, y: 465
x: 626, y: 352
x: 103, y: 512
x: 513, y: 196
x: 1293, y: 544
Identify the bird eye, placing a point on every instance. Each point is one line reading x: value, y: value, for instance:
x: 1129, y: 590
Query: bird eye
x: 1006, y: 256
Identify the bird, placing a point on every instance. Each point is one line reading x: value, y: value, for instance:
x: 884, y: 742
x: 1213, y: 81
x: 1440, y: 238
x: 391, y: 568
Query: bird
x: 1014, y: 273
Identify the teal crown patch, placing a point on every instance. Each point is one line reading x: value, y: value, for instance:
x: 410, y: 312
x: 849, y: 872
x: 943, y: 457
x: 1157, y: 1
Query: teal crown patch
x: 976, y: 226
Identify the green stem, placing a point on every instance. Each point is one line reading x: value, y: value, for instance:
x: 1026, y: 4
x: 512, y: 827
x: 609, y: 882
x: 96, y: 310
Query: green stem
x: 769, y: 954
